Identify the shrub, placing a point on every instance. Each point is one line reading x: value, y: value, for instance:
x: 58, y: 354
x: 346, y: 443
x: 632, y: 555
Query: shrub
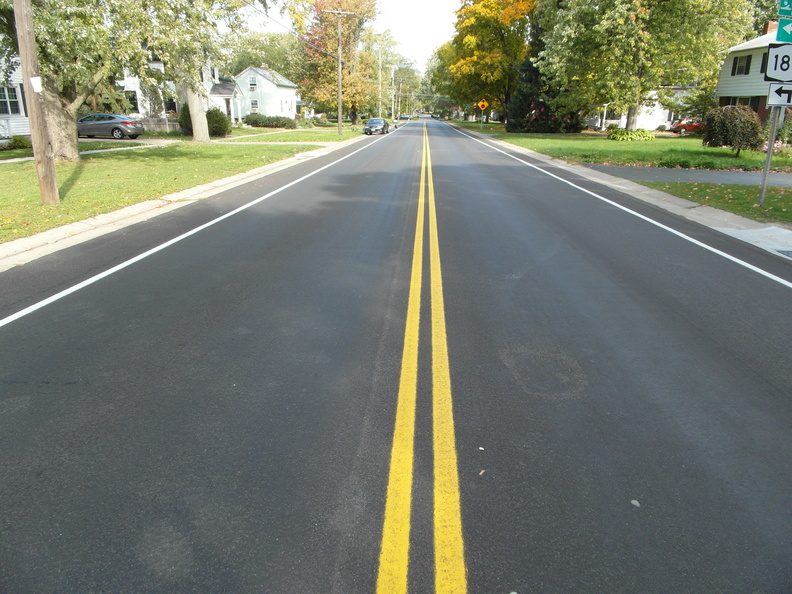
x: 735, y: 126
x: 630, y: 135
x: 185, y: 123
x: 20, y: 142
x: 258, y: 120
x: 662, y: 128
x: 218, y: 122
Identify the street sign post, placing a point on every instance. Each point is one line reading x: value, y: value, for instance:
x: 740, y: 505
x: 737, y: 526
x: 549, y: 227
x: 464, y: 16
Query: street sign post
x: 779, y: 95
x: 482, y: 106
x: 779, y: 62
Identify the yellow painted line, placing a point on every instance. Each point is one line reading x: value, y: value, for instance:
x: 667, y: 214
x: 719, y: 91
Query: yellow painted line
x: 450, y: 574
x: 394, y: 554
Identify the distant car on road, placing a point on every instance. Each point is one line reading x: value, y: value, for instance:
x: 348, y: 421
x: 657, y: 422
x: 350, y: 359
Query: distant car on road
x: 686, y: 127
x: 107, y: 124
x: 376, y: 126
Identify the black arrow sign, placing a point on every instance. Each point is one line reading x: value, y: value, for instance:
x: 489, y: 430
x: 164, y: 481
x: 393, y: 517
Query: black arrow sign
x: 781, y: 91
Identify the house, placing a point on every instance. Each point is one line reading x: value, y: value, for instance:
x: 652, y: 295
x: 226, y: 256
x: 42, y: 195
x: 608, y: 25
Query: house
x: 226, y: 95
x: 741, y: 80
x: 13, y: 109
x: 650, y: 117
x: 218, y: 92
x: 266, y: 92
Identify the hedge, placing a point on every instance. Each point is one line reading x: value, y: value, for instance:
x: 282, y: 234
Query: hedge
x: 630, y: 135
x: 258, y: 120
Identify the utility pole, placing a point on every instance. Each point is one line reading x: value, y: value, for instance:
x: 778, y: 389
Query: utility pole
x: 339, y: 14
x: 39, y: 134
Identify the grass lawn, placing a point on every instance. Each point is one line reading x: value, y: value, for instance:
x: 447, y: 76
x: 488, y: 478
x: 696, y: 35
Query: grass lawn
x: 303, y: 135
x: 739, y: 200
x: 667, y: 150
x: 104, y: 182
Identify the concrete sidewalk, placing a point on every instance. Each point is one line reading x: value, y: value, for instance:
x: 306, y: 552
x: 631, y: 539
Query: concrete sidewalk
x: 661, y: 174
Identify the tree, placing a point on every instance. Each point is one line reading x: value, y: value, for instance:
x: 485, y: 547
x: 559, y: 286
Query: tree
x: 621, y: 52
x: 406, y: 84
x: 438, y: 72
x: 90, y: 44
x: 535, y: 106
x: 282, y: 52
x: 321, y: 39
x: 735, y: 126
x: 762, y: 12
x: 489, y: 46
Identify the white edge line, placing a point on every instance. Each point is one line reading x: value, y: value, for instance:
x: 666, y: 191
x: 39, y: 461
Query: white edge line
x: 73, y: 289
x: 743, y: 263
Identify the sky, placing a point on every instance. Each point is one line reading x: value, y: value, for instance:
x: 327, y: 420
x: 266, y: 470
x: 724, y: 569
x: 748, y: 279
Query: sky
x: 418, y: 26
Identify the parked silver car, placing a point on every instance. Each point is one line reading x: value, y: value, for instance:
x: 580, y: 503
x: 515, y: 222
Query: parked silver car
x: 106, y: 124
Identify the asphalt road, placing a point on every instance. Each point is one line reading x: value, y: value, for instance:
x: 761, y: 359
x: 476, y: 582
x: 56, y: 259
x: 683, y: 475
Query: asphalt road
x: 550, y: 386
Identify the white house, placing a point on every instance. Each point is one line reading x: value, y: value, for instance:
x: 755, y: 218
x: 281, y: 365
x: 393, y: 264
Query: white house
x: 741, y: 80
x: 266, y: 92
x: 13, y: 109
x: 218, y: 92
x: 650, y: 117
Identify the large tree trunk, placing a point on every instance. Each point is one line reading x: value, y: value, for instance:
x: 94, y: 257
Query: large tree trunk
x: 61, y: 121
x: 632, y: 116
x: 197, y: 116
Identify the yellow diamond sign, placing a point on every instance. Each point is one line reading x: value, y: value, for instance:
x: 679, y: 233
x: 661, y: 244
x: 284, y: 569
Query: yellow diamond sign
x: 483, y: 104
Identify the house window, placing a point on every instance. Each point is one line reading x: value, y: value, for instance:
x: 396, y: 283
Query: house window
x: 254, y: 106
x: 741, y: 65
x: 253, y: 83
x: 9, y: 101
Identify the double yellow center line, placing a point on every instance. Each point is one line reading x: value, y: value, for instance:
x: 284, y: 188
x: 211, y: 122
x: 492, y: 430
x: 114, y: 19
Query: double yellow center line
x: 448, y: 543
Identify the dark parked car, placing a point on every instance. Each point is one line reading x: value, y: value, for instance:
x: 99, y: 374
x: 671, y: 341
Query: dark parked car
x: 686, y: 127
x: 106, y: 124
x: 376, y: 126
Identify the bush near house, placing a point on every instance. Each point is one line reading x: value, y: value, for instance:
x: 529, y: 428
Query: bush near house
x: 17, y: 142
x: 218, y: 122
x: 258, y: 120
x: 735, y: 126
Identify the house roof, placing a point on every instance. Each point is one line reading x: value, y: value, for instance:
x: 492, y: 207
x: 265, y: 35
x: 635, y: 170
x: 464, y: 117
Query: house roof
x: 223, y: 89
x: 756, y: 43
x: 270, y: 75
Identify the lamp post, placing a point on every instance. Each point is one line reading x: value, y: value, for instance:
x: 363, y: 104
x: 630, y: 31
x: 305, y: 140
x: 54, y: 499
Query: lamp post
x: 339, y: 14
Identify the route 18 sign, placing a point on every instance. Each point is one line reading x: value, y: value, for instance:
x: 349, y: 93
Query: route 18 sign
x: 779, y: 63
